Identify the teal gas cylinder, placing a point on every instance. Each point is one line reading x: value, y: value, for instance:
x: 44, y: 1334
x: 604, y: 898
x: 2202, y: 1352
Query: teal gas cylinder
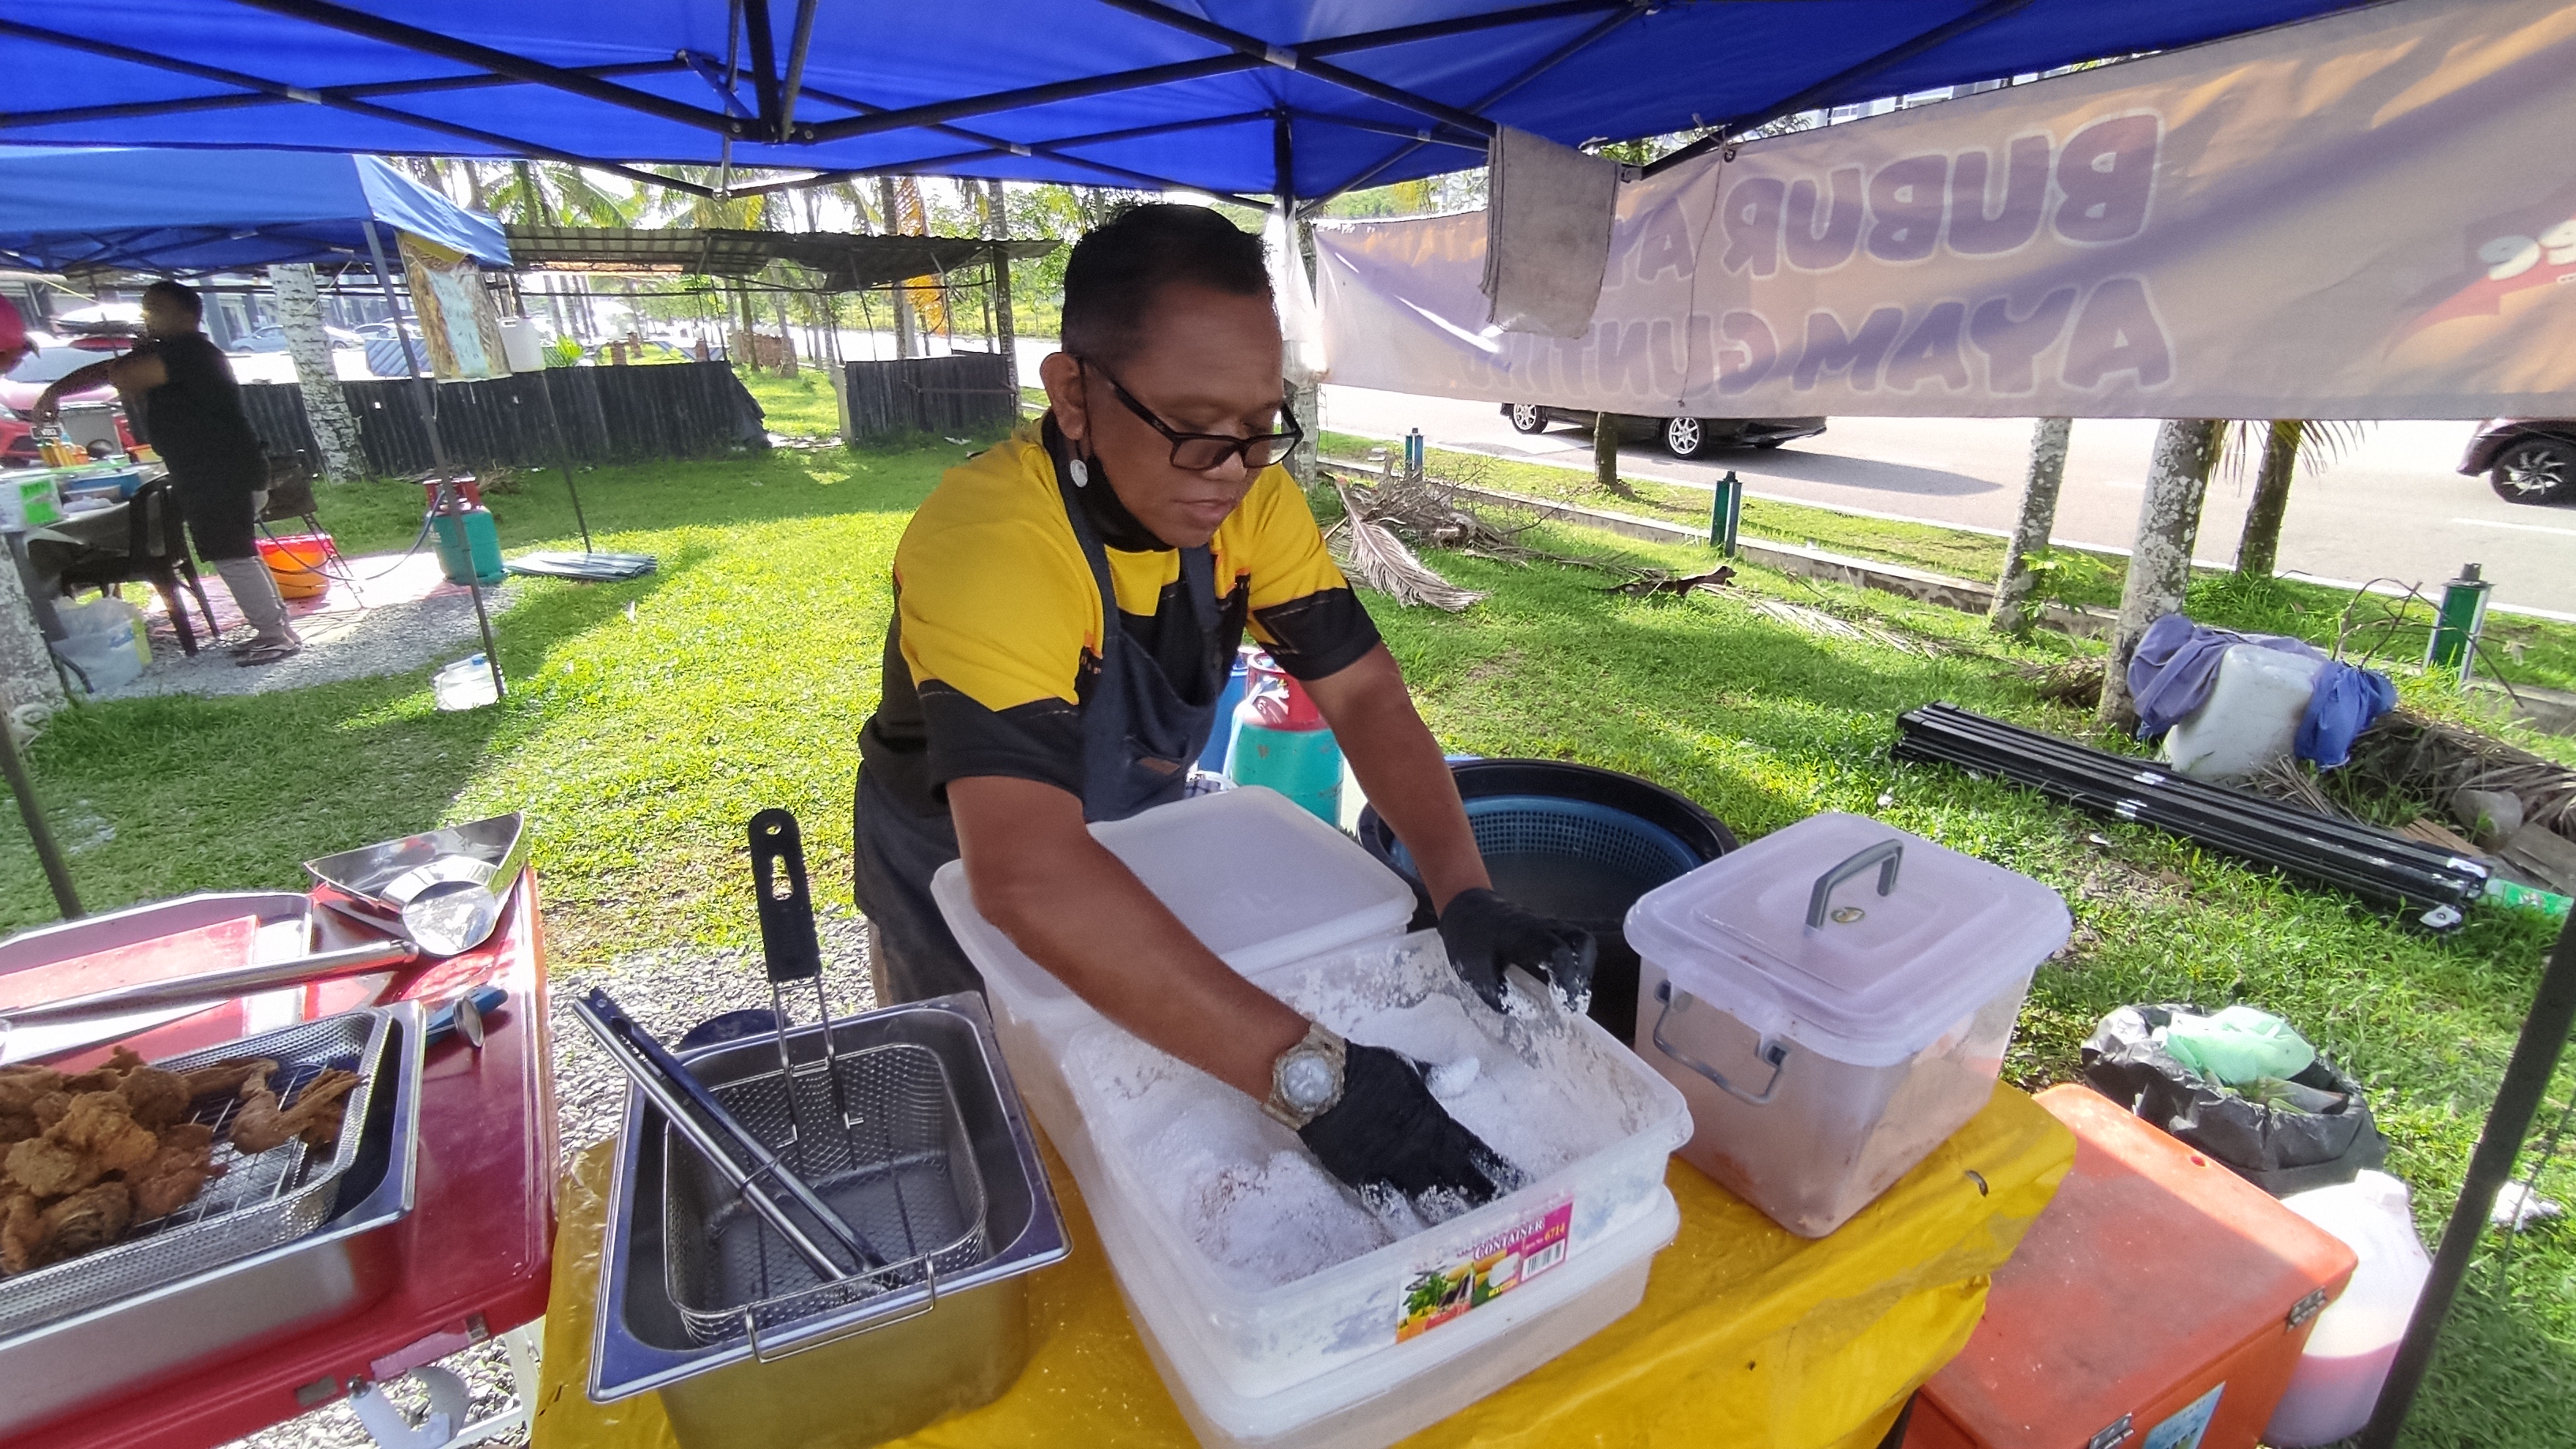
x: 1280, y: 740
x: 469, y: 547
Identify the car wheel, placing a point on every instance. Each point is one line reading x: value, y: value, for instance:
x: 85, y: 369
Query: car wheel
x: 2538, y: 470
x: 2542, y: 470
x: 1527, y: 418
x: 1685, y: 438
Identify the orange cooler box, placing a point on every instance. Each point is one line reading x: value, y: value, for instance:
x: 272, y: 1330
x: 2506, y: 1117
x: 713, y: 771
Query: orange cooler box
x: 2160, y: 1303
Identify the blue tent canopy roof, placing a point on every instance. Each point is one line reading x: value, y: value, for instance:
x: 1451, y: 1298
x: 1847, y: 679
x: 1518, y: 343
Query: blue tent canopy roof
x: 202, y: 211
x: 1208, y: 94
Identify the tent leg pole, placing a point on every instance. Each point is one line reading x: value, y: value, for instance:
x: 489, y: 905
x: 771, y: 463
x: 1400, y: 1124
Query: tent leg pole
x: 563, y: 459
x: 58, y: 873
x: 2526, y: 1080
x: 425, y: 396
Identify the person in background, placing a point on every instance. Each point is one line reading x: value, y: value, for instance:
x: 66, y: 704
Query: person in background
x: 14, y: 346
x: 181, y: 397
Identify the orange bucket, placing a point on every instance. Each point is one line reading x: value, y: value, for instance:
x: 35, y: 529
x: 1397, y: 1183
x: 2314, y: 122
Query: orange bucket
x: 296, y: 563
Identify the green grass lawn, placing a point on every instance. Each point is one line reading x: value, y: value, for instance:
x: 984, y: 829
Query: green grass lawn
x: 798, y: 407
x: 2522, y: 651
x: 647, y: 721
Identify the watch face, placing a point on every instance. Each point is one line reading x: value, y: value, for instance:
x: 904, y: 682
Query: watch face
x: 1306, y: 1081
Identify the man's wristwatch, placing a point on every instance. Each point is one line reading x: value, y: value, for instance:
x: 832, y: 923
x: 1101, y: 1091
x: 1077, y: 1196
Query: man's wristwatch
x: 1306, y: 1079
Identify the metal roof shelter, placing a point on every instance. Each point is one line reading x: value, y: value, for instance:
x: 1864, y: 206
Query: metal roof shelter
x: 1300, y: 98
x: 189, y: 212
x: 845, y: 262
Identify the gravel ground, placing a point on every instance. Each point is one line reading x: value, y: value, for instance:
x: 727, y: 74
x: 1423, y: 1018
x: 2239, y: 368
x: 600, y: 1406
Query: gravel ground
x: 668, y: 992
x: 387, y: 638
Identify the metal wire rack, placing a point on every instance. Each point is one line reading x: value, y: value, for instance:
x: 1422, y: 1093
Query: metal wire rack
x: 261, y: 1200
x: 900, y: 1169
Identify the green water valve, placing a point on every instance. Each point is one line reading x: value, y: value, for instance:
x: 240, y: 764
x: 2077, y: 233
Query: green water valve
x: 2458, y: 622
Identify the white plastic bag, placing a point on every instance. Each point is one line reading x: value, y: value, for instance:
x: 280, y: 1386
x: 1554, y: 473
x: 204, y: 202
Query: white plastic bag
x: 105, y: 642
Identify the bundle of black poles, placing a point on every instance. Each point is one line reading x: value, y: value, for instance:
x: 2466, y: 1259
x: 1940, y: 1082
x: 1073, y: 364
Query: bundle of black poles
x: 2422, y: 883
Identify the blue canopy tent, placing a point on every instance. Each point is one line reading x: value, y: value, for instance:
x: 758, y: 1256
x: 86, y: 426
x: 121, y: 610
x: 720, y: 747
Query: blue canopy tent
x: 1296, y: 98
x: 188, y: 212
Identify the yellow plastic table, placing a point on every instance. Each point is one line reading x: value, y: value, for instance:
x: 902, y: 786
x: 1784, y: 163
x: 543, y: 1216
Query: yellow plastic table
x: 1748, y: 1337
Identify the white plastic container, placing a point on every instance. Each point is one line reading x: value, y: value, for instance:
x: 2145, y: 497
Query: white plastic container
x: 1822, y: 1061
x: 2251, y: 717
x: 1316, y: 1363
x: 2338, y: 1379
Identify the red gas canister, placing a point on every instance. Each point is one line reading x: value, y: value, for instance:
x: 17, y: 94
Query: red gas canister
x: 2161, y: 1302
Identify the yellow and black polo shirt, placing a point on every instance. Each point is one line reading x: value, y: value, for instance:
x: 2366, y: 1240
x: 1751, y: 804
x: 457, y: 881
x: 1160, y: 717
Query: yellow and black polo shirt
x: 997, y: 626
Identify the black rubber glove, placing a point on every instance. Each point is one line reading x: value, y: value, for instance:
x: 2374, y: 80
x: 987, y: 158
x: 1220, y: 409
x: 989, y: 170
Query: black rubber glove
x: 1485, y: 933
x: 1388, y: 1133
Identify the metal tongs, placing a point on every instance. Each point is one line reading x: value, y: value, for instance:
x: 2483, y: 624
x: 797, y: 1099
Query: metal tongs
x: 723, y: 1140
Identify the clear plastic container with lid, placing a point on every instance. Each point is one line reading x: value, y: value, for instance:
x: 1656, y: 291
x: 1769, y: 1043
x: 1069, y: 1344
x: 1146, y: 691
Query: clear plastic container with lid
x: 1834, y: 1000
x: 1337, y: 1358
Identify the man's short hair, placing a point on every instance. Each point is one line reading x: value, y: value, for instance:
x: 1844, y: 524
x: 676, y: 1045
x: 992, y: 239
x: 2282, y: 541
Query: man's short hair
x: 1116, y: 269
x: 183, y: 298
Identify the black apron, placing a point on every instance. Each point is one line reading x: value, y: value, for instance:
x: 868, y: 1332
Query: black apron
x: 1139, y: 737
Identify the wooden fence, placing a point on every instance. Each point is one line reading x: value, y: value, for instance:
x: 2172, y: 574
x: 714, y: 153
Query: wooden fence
x: 606, y: 415
x: 965, y: 394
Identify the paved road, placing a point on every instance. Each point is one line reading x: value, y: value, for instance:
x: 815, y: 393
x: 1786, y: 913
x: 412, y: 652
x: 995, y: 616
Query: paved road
x: 2392, y: 507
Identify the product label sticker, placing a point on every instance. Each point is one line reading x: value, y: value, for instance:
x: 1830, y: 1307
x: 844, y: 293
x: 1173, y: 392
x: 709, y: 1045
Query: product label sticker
x: 2184, y: 1430
x: 1491, y: 1267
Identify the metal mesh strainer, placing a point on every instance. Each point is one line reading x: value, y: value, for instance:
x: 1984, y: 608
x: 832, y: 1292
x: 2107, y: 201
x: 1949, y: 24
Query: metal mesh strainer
x: 901, y: 1170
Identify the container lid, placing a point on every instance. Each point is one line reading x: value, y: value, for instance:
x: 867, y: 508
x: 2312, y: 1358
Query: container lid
x: 1884, y: 975
x: 1258, y: 880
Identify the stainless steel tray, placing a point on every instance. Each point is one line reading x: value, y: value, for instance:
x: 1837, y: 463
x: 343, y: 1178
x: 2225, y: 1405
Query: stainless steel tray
x: 318, y: 1279
x: 262, y: 1199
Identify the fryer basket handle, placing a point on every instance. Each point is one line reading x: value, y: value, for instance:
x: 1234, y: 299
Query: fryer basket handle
x: 901, y: 1307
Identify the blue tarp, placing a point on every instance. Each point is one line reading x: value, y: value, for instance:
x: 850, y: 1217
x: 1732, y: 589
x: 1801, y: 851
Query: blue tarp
x: 1104, y: 92
x: 200, y: 211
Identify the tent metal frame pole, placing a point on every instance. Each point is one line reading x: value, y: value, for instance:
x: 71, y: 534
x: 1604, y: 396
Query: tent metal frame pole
x: 508, y: 145
x: 425, y: 398
x: 911, y: 117
x: 49, y: 853
x: 1546, y: 63
x: 2518, y: 1097
x: 428, y: 86
x: 800, y: 39
x: 1303, y: 62
x: 1806, y: 99
x: 498, y: 62
x: 994, y: 147
x: 563, y: 455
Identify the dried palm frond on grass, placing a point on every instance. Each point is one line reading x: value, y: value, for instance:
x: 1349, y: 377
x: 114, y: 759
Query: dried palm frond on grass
x: 2406, y: 753
x: 2076, y: 682
x: 1813, y: 620
x: 1370, y: 553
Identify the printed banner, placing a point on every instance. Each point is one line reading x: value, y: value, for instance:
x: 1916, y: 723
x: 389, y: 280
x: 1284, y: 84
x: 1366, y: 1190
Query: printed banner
x: 459, y: 326
x: 2371, y: 215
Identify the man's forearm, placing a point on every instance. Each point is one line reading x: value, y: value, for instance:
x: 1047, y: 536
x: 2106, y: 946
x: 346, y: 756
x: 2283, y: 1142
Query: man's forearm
x: 1401, y: 767
x: 1078, y: 911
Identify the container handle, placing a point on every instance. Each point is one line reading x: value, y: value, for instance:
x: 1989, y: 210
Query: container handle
x: 1887, y: 855
x: 901, y: 1308
x: 1774, y: 1053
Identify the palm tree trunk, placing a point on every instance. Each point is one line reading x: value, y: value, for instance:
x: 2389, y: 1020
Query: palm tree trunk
x: 2012, y: 612
x: 2259, y: 548
x: 2160, y: 562
x: 326, y: 407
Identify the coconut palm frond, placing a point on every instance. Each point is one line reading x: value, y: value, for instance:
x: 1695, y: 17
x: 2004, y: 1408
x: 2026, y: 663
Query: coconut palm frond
x: 1374, y: 556
x: 2315, y: 444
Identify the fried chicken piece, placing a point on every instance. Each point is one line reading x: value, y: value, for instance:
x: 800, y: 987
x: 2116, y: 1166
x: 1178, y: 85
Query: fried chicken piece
x: 224, y: 1079
x: 50, y: 1109
x: 20, y: 1086
x: 91, y: 1218
x: 153, y: 1097
x: 172, y: 1179
x: 22, y: 1233
x: 17, y: 1126
x: 105, y: 1076
x: 100, y: 1125
x: 262, y: 1124
x: 49, y: 1169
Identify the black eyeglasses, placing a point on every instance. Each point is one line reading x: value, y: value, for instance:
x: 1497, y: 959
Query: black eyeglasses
x: 1207, y: 452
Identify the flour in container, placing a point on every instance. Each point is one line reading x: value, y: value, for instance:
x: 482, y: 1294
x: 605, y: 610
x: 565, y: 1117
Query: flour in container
x: 1243, y: 1189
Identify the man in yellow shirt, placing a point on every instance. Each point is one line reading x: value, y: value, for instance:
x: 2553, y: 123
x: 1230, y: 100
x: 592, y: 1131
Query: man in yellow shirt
x: 1067, y: 605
